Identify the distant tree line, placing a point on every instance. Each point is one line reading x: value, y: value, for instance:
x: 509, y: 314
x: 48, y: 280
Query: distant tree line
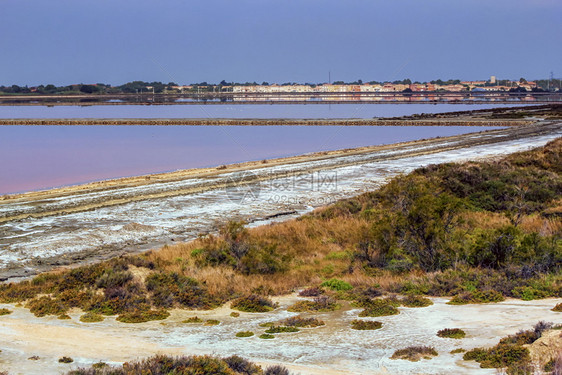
x: 160, y: 87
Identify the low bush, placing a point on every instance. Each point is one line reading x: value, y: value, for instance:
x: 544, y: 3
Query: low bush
x: 65, y: 360
x: 193, y: 319
x: 99, y: 365
x: 212, y: 322
x: 91, y: 317
x: 416, y: 301
x: 337, y: 285
x: 179, y: 365
x: 451, y: 333
x: 189, y: 365
x: 486, y: 296
x: 549, y: 366
x: 298, y: 321
x: 276, y: 370
x: 378, y: 307
x: 509, y: 352
x: 458, y: 350
x: 244, y: 334
x: 142, y: 316
x: 363, y: 325
x: 319, y: 304
x: 281, y: 329
x: 63, y: 317
x: 557, y: 308
x: 415, y: 353
x: 242, y: 366
x: 267, y: 336
x: 234, y: 314
x: 167, y: 289
x: 46, y: 306
x: 311, y: 292
x: 5, y: 311
x: 253, y: 303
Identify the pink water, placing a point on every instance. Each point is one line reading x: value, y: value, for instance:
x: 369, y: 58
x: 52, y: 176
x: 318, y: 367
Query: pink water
x: 40, y: 157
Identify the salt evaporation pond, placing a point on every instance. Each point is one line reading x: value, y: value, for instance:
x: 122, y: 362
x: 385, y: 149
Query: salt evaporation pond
x: 41, y: 157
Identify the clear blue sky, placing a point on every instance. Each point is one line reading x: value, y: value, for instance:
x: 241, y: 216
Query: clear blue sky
x: 69, y: 41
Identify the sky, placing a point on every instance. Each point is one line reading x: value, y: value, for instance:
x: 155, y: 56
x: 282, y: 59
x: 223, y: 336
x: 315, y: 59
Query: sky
x: 108, y: 41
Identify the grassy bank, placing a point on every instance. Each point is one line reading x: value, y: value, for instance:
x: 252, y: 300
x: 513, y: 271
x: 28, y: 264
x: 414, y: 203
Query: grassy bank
x: 479, y: 232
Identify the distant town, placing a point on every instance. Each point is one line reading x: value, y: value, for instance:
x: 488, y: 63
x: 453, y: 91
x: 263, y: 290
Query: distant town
x: 140, y: 87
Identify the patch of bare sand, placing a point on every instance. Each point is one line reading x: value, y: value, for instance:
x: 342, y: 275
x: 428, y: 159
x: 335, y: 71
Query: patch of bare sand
x: 81, y: 341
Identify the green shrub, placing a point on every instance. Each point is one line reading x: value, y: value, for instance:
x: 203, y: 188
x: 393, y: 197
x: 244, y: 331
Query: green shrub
x: 338, y: 255
x: 167, y: 289
x: 336, y: 284
x: 488, y: 296
x: 458, y: 350
x: 365, y: 324
x: 46, y: 306
x: 63, y: 317
x: 5, y: 311
x: 415, y: 353
x: 244, y: 334
x: 267, y: 336
x: 253, y: 303
x: 416, y: 301
x: 549, y: 366
x: 281, y: 329
x: 452, y: 333
x: 378, y: 307
x: 65, y: 360
x: 91, y: 317
x: 142, y: 316
x: 298, y: 321
x: 234, y: 314
x: 557, y: 308
x: 498, y: 356
x: 113, y: 278
x: 193, y: 319
x: 212, y: 322
x: 509, y: 352
x: 528, y: 293
x: 319, y: 304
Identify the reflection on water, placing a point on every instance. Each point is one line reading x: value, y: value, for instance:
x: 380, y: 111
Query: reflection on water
x: 235, y: 111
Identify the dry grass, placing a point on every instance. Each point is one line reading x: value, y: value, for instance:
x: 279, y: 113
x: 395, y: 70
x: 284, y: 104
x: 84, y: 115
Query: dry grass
x: 306, y: 242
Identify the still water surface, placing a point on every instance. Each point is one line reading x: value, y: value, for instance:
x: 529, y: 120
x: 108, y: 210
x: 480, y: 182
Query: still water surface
x: 39, y: 157
x: 236, y: 111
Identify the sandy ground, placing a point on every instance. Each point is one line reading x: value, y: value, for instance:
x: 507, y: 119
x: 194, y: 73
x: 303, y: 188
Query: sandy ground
x: 330, y: 349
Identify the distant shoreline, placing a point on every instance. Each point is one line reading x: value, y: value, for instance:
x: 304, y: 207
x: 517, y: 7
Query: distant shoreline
x: 264, y: 122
